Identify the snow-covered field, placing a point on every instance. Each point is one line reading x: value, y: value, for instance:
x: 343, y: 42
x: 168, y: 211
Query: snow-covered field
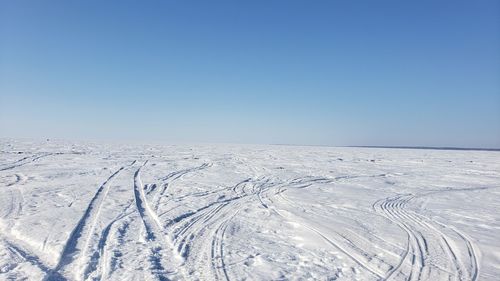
x: 90, y: 211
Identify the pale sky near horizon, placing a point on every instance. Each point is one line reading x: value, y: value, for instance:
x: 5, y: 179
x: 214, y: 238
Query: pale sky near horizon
x: 412, y: 73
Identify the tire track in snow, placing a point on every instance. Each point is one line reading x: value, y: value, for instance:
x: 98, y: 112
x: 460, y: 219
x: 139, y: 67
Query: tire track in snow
x: 155, y: 237
x: 395, y: 208
x: 199, y: 234
x: 15, y: 199
x: 471, y: 251
x: 96, y: 266
x: 276, y: 188
x: 208, y: 224
x: 413, y: 247
x: 217, y: 250
x: 172, y: 177
x: 333, y: 243
x: 119, y: 233
x: 25, y: 256
x: 14, y: 204
x: 426, y: 254
x: 187, y: 233
x: 85, y: 226
x: 18, y: 163
x: 27, y: 160
x: 207, y: 229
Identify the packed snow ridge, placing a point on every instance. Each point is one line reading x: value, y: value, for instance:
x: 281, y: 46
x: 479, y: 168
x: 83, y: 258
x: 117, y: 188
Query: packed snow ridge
x: 95, y: 211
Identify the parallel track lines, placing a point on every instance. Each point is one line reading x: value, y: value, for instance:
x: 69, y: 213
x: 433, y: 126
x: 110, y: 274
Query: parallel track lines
x: 415, y: 224
x: 85, y: 226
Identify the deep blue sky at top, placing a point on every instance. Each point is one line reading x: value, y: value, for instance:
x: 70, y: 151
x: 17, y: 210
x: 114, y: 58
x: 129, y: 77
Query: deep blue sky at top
x: 301, y: 72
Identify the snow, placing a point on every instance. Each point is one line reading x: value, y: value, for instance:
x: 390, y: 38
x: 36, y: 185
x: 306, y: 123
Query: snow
x: 114, y: 211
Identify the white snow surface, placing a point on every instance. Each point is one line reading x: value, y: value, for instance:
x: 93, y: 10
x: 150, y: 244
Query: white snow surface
x: 96, y: 211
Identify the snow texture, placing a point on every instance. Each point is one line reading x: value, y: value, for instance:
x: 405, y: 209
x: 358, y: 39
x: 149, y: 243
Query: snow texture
x: 95, y: 211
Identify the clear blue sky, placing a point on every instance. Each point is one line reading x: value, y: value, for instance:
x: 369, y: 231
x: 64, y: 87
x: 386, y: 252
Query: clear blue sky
x: 298, y: 72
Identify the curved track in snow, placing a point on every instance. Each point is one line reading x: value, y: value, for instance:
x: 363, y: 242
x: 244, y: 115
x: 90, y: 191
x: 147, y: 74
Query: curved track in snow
x: 236, y: 213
